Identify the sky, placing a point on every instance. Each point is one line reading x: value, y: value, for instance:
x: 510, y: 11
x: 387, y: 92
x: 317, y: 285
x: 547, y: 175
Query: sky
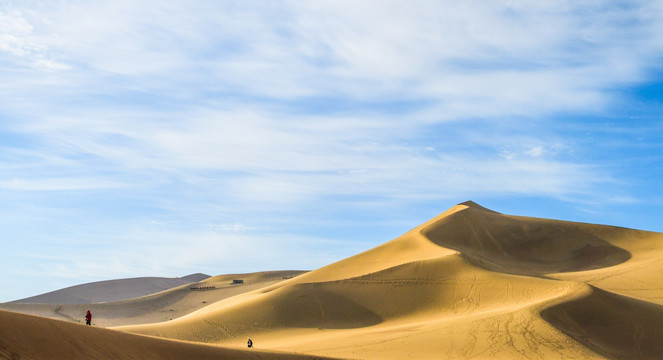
x: 142, y: 138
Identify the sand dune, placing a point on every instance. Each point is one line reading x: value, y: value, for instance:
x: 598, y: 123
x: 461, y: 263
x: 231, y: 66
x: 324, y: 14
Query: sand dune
x: 162, y: 306
x: 469, y: 284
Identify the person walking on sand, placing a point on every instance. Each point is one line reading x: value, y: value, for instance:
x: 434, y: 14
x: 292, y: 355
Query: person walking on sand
x: 250, y: 343
x: 88, y: 318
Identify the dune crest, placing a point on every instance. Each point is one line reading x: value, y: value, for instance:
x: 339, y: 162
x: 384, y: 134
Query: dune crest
x: 521, y: 245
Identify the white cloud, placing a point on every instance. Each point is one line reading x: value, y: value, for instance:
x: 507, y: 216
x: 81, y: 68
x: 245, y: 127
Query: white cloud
x: 21, y: 47
x: 535, y: 151
x: 59, y: 184
x: 230, y: 113
x: 276, y: 158
x: 231, y: 227
x: 470, y: 58
x: 14, y: 30
x: 51, y: 65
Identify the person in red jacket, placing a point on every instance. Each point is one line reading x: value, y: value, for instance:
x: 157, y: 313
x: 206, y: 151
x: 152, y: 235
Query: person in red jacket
x: 88, y: 318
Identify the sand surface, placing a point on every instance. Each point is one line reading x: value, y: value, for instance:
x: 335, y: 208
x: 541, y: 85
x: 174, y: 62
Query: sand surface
x: 469, y: 284
x: 29, y: 337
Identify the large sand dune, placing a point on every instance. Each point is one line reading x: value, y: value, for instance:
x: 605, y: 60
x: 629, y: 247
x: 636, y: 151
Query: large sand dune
x: 469, y: 284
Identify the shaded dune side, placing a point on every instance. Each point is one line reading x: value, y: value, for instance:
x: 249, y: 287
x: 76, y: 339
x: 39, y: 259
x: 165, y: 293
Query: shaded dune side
x: 524, y: 246
x: 615, y: 326
x: 304, y: 306
x: 30, y: 337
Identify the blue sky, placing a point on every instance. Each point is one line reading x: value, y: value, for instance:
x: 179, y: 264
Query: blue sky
x: 161, y: 139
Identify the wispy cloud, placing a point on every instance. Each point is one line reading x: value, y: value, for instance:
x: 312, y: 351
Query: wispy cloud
x: 250, y: 115
x: 58, y: 184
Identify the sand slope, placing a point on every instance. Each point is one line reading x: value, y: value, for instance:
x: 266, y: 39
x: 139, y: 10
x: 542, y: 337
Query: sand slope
x: 470, y: 283
x: 617, y: 326
x: 28, y: 337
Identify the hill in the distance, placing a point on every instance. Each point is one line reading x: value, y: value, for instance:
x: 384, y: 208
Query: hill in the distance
x: 163, y: 305
x: 111, y: 290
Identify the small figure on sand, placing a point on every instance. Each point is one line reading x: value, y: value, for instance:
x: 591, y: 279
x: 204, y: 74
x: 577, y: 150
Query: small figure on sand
x: 249, y: 343
x: 88, y: 318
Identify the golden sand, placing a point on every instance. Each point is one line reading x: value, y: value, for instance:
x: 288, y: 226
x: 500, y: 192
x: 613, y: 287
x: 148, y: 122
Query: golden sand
x: 470, y: 283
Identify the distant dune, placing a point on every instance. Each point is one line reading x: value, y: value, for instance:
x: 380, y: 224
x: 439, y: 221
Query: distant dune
x: 111, y: 290
x: 161, y: 306
x: 469, y: 284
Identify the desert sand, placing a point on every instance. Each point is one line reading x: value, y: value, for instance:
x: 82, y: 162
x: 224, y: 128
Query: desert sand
x: 156, y: 307
x: 469, y: 284
x: 29, y: 337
